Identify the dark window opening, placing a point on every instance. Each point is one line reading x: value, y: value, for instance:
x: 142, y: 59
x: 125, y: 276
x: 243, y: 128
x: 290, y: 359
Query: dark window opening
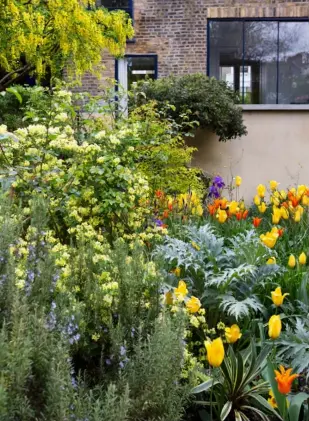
x: 126, y: 5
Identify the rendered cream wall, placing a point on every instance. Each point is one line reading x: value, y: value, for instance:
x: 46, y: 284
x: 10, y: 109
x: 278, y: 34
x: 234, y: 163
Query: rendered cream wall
x: 276, y: 147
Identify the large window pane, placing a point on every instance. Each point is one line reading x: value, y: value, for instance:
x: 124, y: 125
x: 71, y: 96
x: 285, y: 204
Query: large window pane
x: 260, y: 60
x: 293, y: 63
x: 226, y: 52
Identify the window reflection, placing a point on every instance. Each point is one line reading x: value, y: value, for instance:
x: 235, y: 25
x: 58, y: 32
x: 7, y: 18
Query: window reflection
x: 267, y: 62
x: 294, y: 63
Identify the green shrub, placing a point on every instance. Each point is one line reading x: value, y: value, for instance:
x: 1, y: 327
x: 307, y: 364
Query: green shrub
x: 210, y: 102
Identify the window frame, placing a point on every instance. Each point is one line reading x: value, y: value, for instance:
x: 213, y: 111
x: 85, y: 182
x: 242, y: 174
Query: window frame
x: 257, y: 19
x: 152, y: 55
x: 129, y: 10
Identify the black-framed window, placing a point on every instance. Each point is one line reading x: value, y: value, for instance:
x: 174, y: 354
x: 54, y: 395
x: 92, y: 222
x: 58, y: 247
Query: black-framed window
x: 135, y: 67
x: 126, y: 5
x: 266, y: 61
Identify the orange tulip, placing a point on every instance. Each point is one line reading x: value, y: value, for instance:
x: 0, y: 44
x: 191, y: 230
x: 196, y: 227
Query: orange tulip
x: 165, y: 214
x: 238, y: 215
x: 212, y: 209
x: 245, y: 214
x: 285, y: 379
x: 257, y: 221
x: 280, y: 232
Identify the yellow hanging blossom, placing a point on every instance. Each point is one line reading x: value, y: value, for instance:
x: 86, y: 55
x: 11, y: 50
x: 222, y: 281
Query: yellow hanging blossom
x: 271, y: 261
x: 302, y: 259
x: 232, y: 334
x: 277, y: 296
x: 215, y: 352
x: 274, y: 327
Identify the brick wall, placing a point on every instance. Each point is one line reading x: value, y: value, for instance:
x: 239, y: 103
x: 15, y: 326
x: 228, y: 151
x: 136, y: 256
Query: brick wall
x: 175, y: 30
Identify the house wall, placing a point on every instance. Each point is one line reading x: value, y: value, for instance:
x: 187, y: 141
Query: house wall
x: 276, y: 148
x: 175, y: 30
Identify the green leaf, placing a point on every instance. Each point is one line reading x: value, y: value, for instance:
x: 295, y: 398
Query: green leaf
x: 262, y: 402
x: 226, y: 410
x: 204, y: 386
x: 280, y: 399
x: 296, y: 404
x: 15, y: 92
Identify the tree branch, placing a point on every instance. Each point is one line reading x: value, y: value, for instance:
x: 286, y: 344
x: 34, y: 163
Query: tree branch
x: 4, y: 82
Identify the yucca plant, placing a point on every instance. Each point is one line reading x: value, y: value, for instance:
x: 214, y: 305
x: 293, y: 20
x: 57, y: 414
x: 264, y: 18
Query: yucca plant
x: 236, y: 391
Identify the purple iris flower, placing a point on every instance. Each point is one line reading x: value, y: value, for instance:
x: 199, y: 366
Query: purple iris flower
x: 218, y: 181
x: 213, y: 191
x: 158, y: 222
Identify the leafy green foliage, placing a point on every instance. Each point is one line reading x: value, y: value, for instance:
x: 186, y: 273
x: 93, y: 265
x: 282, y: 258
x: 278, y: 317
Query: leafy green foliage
x: 210, y: 102
x: 222, y: 276
x: 82, y: 331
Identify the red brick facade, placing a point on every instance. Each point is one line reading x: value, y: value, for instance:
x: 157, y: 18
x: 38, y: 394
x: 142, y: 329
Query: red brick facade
x: 175, y: 30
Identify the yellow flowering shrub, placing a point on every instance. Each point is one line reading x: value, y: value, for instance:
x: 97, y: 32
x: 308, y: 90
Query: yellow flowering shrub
x: 58, y: 34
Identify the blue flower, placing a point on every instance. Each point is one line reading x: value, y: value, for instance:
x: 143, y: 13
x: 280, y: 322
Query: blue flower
x: 218, y: 181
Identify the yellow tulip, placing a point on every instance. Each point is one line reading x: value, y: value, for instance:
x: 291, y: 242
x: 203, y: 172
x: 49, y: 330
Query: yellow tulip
x: 273, y: 185
x: 232, y: 334
x: 274, y: 327
x: 262, y: 208
x: 221, y: 216
x: 277, y: 296
x: 305, y: 200
x: 257, y: 200
x: 261, y: 189
x: 302, y: 259
x: 193, y: 305
x: 199, y: 210
x: 276, y: 215
x: 238, y: 181
x: 169, y: 298
x: 284, y: 212
x: 233, y: 207
x: 271, y: 261
x: 283, y: 194
x: 292, y: 261
x: 269, y: 239
x: 181, y: 291
x: 215, y: 352
x: 297, y: 216
x: 300, y: 190
x: 275, y: 200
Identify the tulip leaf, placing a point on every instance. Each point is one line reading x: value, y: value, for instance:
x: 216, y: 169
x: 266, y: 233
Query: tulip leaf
x: 203, y: 387
x: 296, y: 404
x: 280, y: 399
x: 226, y: 410
x: 262, y: 402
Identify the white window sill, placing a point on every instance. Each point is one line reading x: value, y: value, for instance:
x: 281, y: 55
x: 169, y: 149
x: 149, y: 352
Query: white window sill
x: 275, y: 107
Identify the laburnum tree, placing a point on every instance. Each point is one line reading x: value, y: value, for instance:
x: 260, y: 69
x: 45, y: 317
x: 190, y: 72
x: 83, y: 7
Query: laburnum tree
x: 40, y: 37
